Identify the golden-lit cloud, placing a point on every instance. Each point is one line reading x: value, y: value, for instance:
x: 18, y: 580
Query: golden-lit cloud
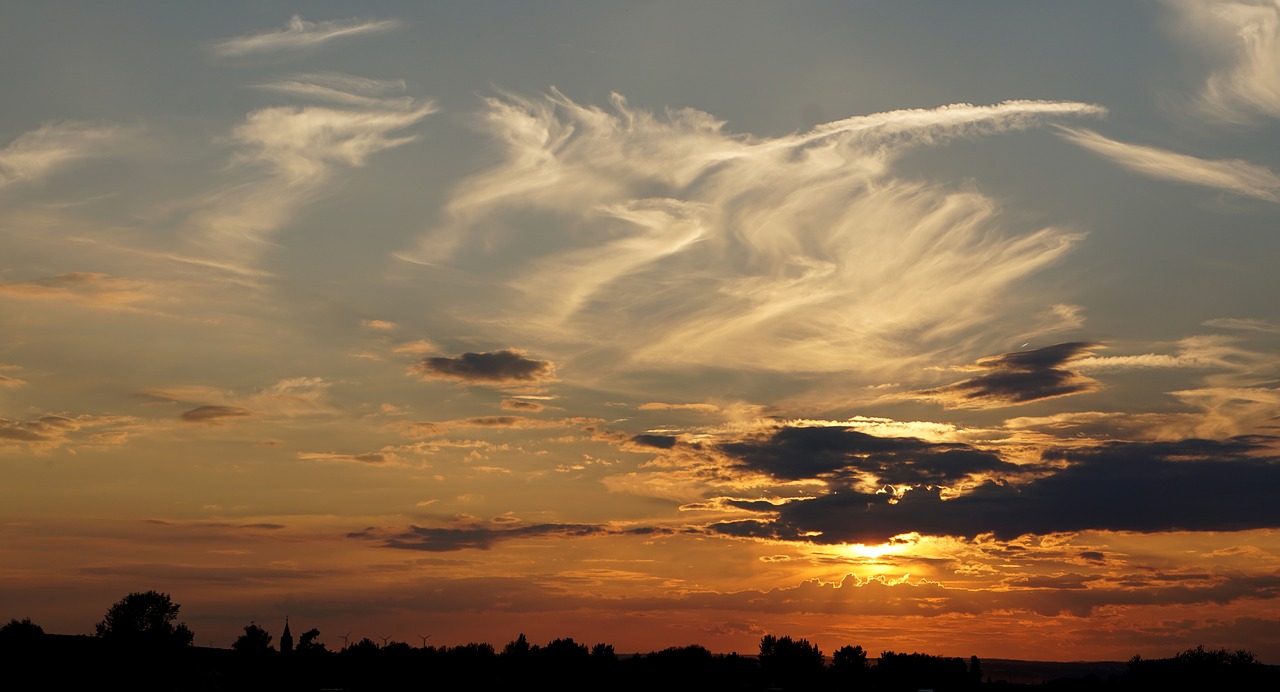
x: 1248, y: 32
x: 48, y: 432
x: 344, y: 89
x: 300, y: 34
x: 37, y: 154
x: 298, y: 148
x: 93, y: 289
x: 1235, y: 176
x: 684, y: 244
x: 288, y: 398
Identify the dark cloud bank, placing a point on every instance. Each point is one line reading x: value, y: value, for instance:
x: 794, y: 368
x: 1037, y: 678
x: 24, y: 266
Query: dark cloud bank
x: 1188, y: 485
x: 1192, y: 485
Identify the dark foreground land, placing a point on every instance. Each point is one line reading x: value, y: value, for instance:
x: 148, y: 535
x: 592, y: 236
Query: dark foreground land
x: 48, y: 661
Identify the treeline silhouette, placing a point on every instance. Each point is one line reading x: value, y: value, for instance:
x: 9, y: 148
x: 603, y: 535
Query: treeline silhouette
x: 139, y: 646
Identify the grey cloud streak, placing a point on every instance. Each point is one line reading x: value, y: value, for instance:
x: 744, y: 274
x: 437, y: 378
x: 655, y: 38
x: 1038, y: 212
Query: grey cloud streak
x: 484, y: 538
x: 1016, y: 378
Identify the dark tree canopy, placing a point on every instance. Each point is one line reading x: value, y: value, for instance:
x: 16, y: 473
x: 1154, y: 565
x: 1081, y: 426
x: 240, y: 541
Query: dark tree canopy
x: 789, y: 659
x: 145, y: 618
x: 20, y: 630
x: 255, y: 640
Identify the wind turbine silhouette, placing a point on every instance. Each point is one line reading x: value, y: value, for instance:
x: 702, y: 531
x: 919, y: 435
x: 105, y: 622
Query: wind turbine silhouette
x: 424, y: 637
x: 384, y: 641
x: 344, y: 640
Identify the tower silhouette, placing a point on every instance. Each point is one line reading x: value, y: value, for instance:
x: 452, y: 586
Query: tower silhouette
x: 286, y: 638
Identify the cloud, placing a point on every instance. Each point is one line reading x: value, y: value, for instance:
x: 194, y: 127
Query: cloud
x: 482, y: 538
x: 1015, y: 378
x: 433, y: 428
x: 656, y: 441
x: 1247, y: 324
x: 6, y: 380
x: 382, y: 458
x: 300, y: 34
x: 37, y: 154
x: 288, y: 398
x: 1196, y: 352
x: 1235, y: 176
x: 1249, y: 32
x: 379, y: 325
x: 1192, y: 485
x: 303, y: 143
x: 346, y: 90
x: 416, y: 348
x: 214, y: 414
x: 298, y: 149
x: 96, y: 290
x: 659, y: 406
x: 668, y: 241
x: 522, y: 405
x: 506, y: 366
x: 48, y: 432
x: 858, y: 459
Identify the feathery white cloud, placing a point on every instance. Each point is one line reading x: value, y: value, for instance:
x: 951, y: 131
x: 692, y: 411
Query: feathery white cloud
x: 1232, y: 175
x: 299, y: 34
x: 37, y: 154
x: 300, y: 148
x: 1248, y: 31
x: 680, y: 243
x: 344, y: 89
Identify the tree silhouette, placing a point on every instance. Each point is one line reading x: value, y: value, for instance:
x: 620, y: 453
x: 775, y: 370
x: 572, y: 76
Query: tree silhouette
x: 144, y: 618
x: 307, y: 643
x: 20, y: 630
x: 849, y: 666
x: 255, y: 640
x: 785, y: 661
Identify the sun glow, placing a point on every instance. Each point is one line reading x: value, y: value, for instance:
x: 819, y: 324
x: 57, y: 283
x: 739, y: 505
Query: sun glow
x: 873, y: 551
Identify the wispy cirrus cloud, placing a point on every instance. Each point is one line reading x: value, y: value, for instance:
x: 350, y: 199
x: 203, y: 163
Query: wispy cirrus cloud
x: 1248, y: 31
x: 344, y: 89
x: 1250, y: 324
x: 1235, y: 176
x: 37, y: 154
x: 675, y: 242
x: 94, y: 289
x: 300, y: 34
x: 288, y: 398
x: 298, y: 149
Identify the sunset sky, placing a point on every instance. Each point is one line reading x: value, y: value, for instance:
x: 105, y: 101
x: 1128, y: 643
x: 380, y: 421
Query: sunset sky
x: 923, y: 326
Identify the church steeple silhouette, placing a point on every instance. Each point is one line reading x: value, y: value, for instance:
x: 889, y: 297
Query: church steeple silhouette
x: 286, y: 638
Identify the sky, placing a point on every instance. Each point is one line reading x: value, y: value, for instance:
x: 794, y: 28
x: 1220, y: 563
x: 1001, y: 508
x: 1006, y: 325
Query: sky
x: 921, y: 326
